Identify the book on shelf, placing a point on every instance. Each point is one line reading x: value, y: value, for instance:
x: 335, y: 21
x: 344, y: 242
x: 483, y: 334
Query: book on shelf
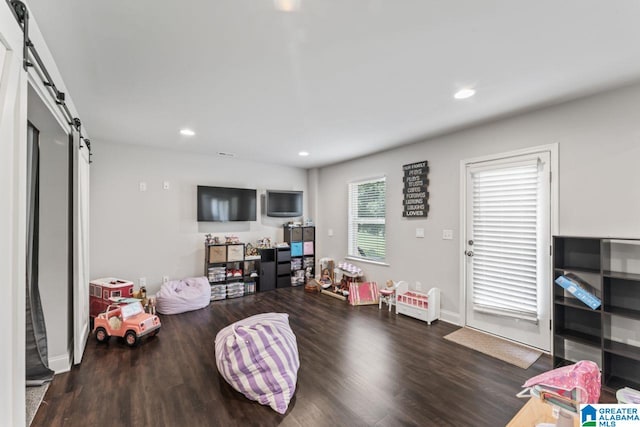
x: 578, y: 288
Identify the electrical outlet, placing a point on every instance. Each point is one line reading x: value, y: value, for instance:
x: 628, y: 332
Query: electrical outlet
x: 447, y: 234
x: 142, y: 281
x: 165, y: 279
x: 420, y: 232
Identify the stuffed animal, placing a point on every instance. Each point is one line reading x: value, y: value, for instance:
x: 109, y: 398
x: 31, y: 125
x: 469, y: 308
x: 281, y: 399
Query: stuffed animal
x: 141, y: 295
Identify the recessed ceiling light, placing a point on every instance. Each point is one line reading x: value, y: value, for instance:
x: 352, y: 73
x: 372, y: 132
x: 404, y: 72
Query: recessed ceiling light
x: 464, y: 93
x: 303, y: 153
x: 287, y: 5
x: 187, y: 132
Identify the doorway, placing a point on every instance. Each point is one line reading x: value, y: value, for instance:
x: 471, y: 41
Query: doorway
x: 53, y: 280
x: 509, y: 216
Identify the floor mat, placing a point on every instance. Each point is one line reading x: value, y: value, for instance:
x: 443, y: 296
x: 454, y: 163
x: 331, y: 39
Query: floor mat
x: 507, y: 351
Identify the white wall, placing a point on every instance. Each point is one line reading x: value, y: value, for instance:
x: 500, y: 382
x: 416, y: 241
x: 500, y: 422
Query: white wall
x: 154, y: 233
x: 599, y: 145
x: 53, y: 268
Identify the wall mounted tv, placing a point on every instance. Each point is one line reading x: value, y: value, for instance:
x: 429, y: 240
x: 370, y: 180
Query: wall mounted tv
x: 224, y: 204
x: 284, y: 203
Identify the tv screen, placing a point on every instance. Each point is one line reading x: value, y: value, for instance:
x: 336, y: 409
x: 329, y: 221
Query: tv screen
x: 226, y: 204
x: 284, y: 203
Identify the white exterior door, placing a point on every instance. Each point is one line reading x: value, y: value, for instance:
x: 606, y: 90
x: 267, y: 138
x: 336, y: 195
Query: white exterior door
x: 507, y: 247
x: 80, y: 246
x: 13, y: 155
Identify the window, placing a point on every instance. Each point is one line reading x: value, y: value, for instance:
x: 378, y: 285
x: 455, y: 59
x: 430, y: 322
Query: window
x: 367, y: 209
x: 115, y: 294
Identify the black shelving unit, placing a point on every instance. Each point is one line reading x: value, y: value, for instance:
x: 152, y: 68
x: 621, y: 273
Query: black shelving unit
x: 267, y: 269
x: 607, y: 335
x: 226, y: 268
x: 283, y: 267
x: 302, y: 242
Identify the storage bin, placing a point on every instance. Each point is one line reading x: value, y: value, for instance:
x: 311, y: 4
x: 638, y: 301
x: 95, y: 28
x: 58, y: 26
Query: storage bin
x: 308, y: 248
x: 296, y: 249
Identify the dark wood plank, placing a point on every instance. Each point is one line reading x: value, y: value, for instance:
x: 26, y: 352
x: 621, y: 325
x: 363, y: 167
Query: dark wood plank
x: 360, y: 366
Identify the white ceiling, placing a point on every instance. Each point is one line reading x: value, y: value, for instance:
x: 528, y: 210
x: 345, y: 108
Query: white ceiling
x: 337, y: 78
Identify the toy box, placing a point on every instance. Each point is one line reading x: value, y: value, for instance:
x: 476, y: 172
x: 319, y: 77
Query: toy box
x: 103, y: 292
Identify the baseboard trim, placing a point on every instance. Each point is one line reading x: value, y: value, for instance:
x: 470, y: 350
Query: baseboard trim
x: 450, y: 317
x: 60, y: 364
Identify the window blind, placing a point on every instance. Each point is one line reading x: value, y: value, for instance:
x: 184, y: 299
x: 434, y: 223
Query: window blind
x: 367, y: 213
x: 505, y: 231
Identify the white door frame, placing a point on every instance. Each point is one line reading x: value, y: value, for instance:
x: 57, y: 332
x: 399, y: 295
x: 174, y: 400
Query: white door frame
x: 554, y: 225
x: 13, y: 184
x: 13, y: 218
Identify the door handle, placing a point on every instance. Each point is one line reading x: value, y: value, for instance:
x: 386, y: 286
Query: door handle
x: 468, y: 253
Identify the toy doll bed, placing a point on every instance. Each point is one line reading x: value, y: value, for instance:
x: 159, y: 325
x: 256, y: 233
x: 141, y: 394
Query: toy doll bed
x: 425, y: 307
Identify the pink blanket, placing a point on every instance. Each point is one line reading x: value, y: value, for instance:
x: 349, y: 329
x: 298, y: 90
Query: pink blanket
x: 580, y: 382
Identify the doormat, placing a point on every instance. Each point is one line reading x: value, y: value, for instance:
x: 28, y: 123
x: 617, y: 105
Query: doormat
x: 33, y: 399
x: 507, y: 351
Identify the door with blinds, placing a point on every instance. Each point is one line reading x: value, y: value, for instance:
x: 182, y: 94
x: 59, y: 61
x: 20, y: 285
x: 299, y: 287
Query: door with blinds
x: 508, y: 237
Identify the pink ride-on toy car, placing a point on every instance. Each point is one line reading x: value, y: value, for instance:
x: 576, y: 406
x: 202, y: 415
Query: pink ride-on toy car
x: 129, y: 321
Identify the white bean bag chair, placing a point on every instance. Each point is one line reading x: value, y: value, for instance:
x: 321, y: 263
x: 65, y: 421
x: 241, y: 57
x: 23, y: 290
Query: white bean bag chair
x: 258, y: 356
x: 179, y: 296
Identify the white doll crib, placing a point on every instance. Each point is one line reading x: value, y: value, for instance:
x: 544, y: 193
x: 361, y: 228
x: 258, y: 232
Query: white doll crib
x: 416, y: 304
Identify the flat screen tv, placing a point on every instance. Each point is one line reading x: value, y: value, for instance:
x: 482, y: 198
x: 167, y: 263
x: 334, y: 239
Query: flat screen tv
x: 284, y: 204
x: 224, y: 204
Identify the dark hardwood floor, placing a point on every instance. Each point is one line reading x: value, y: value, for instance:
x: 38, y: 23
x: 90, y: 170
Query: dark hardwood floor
x: 360, y: 366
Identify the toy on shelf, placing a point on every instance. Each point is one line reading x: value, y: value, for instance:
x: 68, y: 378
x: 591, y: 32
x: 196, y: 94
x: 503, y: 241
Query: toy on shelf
x: 264, y: 243
x: 350, y: 270
x: 231, y: 240
x: 127, y: 321
x: 250, y: 250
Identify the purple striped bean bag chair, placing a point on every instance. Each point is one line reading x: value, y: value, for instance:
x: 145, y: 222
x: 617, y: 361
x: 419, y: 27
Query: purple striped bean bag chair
x: 258, y: 356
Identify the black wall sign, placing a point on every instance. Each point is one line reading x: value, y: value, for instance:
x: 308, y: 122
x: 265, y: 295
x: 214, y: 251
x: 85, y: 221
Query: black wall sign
x: 416, y: 196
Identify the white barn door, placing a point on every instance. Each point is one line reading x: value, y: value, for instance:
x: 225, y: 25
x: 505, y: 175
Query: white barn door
x: 80, y: 246
x: 13, y: 161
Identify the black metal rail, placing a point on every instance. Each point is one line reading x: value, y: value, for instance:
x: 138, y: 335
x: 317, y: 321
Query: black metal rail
x: 21, y: 13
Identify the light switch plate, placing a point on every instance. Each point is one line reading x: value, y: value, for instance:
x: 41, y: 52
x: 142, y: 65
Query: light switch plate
x: 143, y: 186
x: 447, y: 234
x: 420, y: 232
x: 330, y: 232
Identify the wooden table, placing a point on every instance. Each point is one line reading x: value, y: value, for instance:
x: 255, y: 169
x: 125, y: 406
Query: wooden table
x: 534, y: 412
